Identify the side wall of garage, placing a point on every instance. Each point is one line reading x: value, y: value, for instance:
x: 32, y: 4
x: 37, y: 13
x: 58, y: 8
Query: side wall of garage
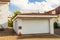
x: 15, y: 26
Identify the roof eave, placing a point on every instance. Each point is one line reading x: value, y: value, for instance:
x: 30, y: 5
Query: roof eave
x: 38, y: 16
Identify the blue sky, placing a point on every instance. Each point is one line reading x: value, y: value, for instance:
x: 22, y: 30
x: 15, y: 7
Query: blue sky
x: 13, y: 8
x: 41, y: 5
x: 36, y: 0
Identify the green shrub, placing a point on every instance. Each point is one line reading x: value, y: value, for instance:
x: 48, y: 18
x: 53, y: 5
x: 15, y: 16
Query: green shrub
x: 10, y: 22
x: 55, y: 25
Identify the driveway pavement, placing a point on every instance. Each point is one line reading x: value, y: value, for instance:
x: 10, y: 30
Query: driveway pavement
x: 56, y: 36
x: 57, y: 31
x: 38, y: 36
x: 9, y: 34
x: 41, y: 39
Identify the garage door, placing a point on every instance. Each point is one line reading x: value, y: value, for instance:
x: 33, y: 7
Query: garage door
x: 35, y: 26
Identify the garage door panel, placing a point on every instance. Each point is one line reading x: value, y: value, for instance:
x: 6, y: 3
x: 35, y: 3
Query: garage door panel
x: 35, y: 26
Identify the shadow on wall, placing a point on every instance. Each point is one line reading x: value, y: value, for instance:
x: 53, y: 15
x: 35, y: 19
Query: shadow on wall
x: 59, y: 25
x: 4, y: 25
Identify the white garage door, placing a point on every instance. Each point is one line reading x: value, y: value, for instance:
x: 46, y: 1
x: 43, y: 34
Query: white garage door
x: 35, y: 26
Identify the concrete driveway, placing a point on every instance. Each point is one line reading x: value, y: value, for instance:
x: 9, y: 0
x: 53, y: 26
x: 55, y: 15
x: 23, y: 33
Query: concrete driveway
x: 38, y: 36
x: 8, y: 34
x: 56, y: 36
x: 41, y: 39
x: 57, y: 31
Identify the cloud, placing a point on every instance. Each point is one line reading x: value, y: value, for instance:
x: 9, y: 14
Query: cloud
x: 43, y: 6
x: 52, y: 2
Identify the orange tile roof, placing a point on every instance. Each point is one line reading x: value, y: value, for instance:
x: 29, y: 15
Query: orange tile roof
x: 58, y: 10
x: 47, y: 13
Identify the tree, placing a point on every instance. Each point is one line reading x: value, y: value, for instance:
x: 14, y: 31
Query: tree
x: 15, y: 14
x: 10, y: 22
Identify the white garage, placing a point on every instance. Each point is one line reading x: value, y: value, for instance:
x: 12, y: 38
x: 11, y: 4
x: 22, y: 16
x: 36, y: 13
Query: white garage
x: 33, y: 23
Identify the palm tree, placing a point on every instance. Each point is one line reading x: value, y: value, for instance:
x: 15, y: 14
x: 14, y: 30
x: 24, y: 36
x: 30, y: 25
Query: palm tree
x: 16, y: 13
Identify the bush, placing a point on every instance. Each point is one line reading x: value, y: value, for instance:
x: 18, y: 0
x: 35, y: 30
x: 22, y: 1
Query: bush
x: 55, y: 25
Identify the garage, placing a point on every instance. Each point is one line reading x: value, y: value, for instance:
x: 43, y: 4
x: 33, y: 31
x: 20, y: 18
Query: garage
x: 34, y: 23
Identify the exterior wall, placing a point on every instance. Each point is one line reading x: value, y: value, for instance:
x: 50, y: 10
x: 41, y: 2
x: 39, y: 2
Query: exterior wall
x: 58, y: 20
x: 53, y: 12
x: 52, y: 26
x: 20, y: 23
x: 4, y: 15
x: 15, y: 26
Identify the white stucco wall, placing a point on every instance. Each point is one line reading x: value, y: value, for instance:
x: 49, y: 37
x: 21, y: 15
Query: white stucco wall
x: 15, y: 26
x: 52, y: 25
x: 4, y: 8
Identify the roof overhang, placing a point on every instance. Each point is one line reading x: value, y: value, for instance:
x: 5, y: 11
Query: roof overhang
x: 3, y: 3
x: 33, y: 16
x: 4, y: 0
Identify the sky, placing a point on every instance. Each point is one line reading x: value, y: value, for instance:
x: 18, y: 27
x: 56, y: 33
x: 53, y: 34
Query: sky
x: 33, y: 5
x: 36, y: 0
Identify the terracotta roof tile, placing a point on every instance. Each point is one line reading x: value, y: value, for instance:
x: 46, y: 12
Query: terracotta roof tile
x: 47, y: 13
x: 58, y: 10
